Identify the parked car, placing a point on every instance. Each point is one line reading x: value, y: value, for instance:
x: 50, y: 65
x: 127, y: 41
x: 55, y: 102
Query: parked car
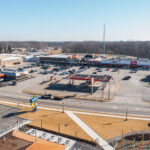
x: 133, y: 71
x: 94, y: 72
x: 45, y: 67
x: 44, y: 72
x: 14, y: 83
x: 127, y: 78
x: 31, y: 71
x: 20, y: 69
x: 107, y: 69
x: 46, y: 96
x: 58, y: 98
x: 99, y: 70
x: 51, y: 72
x: 56, y: 69
x: 114, y: 70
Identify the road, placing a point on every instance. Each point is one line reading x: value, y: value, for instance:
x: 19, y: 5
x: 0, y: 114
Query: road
x: 85, y: 105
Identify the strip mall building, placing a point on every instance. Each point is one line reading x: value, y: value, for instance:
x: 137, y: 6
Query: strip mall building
x: 126, y: 62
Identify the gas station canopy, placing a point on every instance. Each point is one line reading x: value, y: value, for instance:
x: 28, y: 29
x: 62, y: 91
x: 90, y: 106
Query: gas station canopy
x: 101, y: 78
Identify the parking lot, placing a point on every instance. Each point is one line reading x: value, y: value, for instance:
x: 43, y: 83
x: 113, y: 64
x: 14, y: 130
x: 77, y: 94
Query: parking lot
x: 126, y: 86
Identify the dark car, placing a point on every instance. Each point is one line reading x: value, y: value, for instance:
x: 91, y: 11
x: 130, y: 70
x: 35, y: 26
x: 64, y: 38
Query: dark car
x: 31, y: 71
x: 58, y: 98
x: 46, y: 96
x: 14, y: 83
x: 127, y: 78
x: 114, y: 70
x: 20, y: 69
x: 45, y: 67
x: 94, y: 72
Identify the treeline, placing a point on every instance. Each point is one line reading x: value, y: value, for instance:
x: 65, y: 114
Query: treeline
x: 132, y: 48
x: 30, y: 44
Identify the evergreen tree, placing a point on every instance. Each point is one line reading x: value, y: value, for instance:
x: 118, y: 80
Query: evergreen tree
x: 9, y: 50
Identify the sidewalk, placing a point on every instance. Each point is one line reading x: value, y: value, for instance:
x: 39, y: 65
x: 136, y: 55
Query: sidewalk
x: 90, y: 132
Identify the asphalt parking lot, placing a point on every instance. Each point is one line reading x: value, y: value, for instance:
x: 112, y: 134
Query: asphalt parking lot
x: 133, y: 90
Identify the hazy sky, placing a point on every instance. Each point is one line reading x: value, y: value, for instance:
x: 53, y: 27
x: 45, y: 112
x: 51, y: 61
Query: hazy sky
x: 74, y: 20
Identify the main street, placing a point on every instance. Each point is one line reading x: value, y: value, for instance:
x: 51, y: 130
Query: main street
x: 94, y: 106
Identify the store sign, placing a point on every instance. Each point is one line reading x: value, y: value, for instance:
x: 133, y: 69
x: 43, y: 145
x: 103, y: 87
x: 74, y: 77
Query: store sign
x: 133, y: 62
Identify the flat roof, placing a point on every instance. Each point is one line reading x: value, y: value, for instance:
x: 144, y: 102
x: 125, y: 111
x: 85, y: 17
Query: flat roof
x: 101, y: 78
x: 13, y: 143
x: 41, y: 144
x: 57, y: 56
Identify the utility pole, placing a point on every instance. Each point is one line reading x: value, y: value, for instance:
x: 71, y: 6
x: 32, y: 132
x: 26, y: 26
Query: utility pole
x: 104, y: 46
x: 92, y: 81
x: 109, y: 90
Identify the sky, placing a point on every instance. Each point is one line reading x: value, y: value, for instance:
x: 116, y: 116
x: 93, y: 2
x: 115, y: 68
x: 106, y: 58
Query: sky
x: 74, y: 20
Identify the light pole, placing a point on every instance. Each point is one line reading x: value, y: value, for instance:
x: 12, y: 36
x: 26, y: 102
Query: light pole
x: 109, y: 91
x: 63, y: 107
x: 126, y: 115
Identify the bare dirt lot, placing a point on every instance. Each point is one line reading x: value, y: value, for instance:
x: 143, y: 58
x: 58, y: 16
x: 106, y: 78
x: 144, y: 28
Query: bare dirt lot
x: 108, y: 127
x: 55, y: 121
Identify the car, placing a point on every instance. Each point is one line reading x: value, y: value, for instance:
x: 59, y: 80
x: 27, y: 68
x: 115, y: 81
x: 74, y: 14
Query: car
x: 114, y: 70
x: 133, y: 71
x: 46, y: 96
x: 94, y: 72
x: 65, y: 72
x: 14, y: 83
x: 51, y: 72
x: 62, y: 73
x: 58, y: 98
x: 45, y: 67
x: 71, y: 72
x: 127, y: 78
x: 44, y: 72
x: 99, y: 70
x: 31, y: 71
x: 107, y: 69
x: 19, y: 68
x: 78, y: 71
x: 56, y: 69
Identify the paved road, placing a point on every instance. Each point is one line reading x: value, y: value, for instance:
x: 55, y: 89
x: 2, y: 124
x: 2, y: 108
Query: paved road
x: 117, y: 108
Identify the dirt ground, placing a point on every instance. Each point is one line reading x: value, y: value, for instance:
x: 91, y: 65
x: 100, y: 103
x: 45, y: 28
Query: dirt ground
x: 108, y: 127
x: 55, y: 121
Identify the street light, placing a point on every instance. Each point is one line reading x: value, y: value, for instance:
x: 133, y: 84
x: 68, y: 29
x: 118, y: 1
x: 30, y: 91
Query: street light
x: 63, y: 107
x: 126, y: 115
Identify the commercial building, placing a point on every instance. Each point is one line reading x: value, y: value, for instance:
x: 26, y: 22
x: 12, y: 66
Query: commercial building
x: 124, y: 61
x: 60, y: 58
